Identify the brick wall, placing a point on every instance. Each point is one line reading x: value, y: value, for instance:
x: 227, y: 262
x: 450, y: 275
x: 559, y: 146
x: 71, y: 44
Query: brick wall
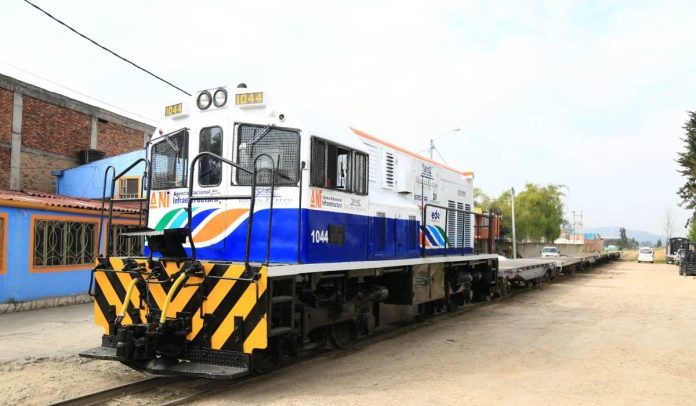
x: 6, y: 103
x: 36, y: 171
x: 4, y: 168
x: 53, y: 128
x: 115, y: 139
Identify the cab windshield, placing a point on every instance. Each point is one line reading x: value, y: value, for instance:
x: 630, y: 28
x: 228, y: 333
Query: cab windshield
x: 283, y: 145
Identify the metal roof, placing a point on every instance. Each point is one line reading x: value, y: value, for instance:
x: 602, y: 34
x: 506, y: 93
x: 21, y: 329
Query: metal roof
x: 53, y: 200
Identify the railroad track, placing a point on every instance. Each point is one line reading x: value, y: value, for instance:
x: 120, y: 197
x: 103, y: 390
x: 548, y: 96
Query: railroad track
x: 197, y: 388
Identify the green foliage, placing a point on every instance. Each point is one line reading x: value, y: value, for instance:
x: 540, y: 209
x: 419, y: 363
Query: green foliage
x: 658, y: 244
x: 687, y: 161
x: 692, y: 231
x: 538, y: 211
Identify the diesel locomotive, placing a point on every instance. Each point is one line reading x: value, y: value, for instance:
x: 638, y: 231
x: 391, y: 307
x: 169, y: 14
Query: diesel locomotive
x: 269, y: 233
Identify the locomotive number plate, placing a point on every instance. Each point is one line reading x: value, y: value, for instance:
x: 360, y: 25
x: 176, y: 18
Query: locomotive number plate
x: 173, y: 109
x: 248, y: 98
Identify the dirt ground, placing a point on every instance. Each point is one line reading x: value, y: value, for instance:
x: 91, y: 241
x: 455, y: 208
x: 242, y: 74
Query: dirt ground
x: 622, y: 333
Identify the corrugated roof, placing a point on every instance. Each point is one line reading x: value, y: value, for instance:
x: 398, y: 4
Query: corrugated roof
x: 49, y: 199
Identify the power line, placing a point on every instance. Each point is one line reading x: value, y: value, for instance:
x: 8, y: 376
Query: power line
x: 105, y: 48
x: 77, y: 92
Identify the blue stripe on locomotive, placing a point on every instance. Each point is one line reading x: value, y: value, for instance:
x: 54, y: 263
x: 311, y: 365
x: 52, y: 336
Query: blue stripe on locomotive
x: 360, y: 239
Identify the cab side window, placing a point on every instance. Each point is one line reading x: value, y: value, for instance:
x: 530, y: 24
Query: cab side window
x: 210, y: 169
x: 336, y: 167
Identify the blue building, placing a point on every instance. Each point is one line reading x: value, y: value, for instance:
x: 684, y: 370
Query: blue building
x: 48, y: 243
x: 86, y: 181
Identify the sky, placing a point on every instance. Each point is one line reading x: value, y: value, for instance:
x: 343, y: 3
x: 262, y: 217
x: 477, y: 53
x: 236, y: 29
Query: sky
x: 589, y: 94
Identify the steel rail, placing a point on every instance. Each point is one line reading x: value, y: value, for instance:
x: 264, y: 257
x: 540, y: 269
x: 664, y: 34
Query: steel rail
x: 105, y: 395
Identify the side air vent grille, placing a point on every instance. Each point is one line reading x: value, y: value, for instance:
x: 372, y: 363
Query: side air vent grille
x: 389, y: 175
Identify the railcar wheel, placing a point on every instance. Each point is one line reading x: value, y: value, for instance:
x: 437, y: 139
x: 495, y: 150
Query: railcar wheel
x: 343, y: 335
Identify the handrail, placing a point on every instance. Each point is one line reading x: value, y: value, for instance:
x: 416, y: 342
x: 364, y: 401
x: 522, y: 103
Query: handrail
x: 252, y: 197
x: 101, y: 214
x: 111, y: 198
x: 448, y: 209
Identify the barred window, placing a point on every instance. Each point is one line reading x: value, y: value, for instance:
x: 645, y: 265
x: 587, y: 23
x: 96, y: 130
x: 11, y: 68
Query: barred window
x: 281, y: 144
x: 210, y: 169
x: 337, y: 167
x: 170, y: 161
x: 360, y: 174
x: 318, y: 163
x: 60, y: 243
x: 124, y: 246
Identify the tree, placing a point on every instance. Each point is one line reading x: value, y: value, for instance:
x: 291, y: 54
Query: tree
x: 658, y: 244
x: 692, y: 231
x: 481, y: 200
x: 669, y: 224
x: 623, y: 239
x: 539, y: 212
x: 687, y: 161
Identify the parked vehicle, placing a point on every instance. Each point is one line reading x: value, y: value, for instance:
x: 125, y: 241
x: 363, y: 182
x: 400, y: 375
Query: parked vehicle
x: 550, y: 252
x: 673, y: 246
x: 646, y: 254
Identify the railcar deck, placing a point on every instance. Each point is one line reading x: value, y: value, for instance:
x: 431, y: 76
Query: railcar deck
x: 527, y: 269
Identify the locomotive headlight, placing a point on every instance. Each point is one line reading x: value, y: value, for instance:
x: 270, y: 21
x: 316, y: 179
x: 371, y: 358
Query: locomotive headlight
x: 204, y: 100
x: 220, y: 97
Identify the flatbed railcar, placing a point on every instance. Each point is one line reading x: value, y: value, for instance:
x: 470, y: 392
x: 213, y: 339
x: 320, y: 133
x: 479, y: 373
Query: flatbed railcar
x: 270, y: 233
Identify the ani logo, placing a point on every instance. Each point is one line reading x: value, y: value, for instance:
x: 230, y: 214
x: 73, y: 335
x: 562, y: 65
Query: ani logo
x: 159, y: 200
x: 355, y: 202
x: 427, y: 171
x: 316, y: 199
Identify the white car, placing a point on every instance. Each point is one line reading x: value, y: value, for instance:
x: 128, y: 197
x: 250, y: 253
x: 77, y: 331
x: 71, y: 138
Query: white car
x: 550, y: 252
x: 646, y: 254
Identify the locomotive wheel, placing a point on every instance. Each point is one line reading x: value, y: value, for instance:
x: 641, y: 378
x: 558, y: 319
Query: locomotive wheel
x: 267, y: 360
x: 342, y: 335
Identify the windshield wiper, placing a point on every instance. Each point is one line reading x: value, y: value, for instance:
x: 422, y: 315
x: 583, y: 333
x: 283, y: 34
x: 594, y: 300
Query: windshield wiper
x: 267, y: 129
x: 169, y: 140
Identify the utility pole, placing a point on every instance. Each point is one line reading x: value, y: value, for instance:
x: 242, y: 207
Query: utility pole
x: 432, y: 147
x: 514, y: 237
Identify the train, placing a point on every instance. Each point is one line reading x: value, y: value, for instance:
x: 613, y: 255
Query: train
x: 270, y: 233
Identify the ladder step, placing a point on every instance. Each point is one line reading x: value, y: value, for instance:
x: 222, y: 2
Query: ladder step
x: 280, y: 330
x: 280, y: 299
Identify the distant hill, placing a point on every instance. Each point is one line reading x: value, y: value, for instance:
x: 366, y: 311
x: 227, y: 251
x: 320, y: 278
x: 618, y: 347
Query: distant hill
x: 640, y: 236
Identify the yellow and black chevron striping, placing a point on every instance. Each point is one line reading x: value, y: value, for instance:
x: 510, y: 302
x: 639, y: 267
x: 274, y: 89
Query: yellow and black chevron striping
x: 227, y: 311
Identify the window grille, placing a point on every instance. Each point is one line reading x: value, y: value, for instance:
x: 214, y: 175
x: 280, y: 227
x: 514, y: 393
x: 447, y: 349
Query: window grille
x: 60, y: 243
x: 129, y: 188
x: 282, y: 145
x: 318, y: 163
x: 124, y: 246
x: 360, y: 175
x: 170, y: 161
x: 209, y: 169
x: 336, y: 167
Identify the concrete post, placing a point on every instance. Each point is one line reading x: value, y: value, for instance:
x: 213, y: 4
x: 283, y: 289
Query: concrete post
x: 93, y: 133
x: 16, y: 146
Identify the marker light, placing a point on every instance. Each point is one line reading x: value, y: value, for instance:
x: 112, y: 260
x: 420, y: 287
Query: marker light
x: 220, y: 97
x: 204, y: 100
